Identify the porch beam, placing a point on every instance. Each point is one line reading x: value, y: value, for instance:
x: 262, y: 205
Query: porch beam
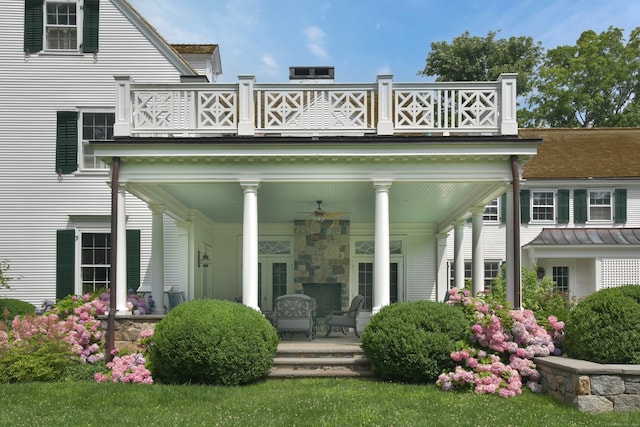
x: 382, y: 257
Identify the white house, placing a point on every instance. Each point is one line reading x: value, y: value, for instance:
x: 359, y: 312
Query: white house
x: 57, y: 72
x: 236, y: 191
x: 580, y: 211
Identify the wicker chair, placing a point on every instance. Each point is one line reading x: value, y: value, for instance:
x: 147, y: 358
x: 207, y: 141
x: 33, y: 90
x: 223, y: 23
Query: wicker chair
x: 348, y: 319
x: 295, y: 313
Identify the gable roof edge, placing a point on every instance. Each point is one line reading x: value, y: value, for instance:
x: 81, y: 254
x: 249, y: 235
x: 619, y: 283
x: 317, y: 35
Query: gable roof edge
x: 156, y: 39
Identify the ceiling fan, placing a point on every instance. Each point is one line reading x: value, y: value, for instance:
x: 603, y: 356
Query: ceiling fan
x: 320, y: 215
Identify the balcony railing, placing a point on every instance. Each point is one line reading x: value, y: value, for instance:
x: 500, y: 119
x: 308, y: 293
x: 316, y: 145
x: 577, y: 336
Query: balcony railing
x: 315, y: 109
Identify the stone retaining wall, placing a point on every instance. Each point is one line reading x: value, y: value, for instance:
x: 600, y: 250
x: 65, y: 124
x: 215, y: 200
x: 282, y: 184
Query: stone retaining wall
x: 591, y: 387
x: 128, y: 328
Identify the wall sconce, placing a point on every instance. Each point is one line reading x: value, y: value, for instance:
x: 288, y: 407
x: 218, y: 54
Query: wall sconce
x: 540, y: 272
x: 203, y: 259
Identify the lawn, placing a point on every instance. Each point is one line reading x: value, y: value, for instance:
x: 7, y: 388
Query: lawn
x: 299, y: 402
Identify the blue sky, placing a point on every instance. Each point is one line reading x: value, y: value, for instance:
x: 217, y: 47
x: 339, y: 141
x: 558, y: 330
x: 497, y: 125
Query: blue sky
x: 364, y: 38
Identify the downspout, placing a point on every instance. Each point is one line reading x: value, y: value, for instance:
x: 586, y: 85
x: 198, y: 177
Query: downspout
x: 111, y: 318
x: 515, y: 175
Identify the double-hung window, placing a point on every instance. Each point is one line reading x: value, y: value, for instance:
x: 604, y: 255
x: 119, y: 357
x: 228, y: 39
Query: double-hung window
x: 600, y: 207
x: 96, y: 126
x: 492, y: 212
x: 542, y: 206
x: 61, y: 26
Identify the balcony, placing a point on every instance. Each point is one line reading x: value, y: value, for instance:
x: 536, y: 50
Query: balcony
x: 314, y: 109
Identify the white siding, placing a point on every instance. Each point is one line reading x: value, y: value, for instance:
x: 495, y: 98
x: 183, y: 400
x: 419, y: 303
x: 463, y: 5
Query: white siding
x: 35, y: 201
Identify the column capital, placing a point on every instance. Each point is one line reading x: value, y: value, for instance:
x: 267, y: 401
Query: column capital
x: 442, y: 236
x: 250, y: 185
x: 156, y: 208
x: 478, y: 210
x: 382, y: 184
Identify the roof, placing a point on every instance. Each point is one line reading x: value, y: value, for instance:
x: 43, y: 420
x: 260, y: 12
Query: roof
x: 587, y: 236
x: 195, y: 49
x: 584, y: 153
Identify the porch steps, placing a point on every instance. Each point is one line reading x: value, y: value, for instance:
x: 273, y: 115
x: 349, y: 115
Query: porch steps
x: 304, y: 360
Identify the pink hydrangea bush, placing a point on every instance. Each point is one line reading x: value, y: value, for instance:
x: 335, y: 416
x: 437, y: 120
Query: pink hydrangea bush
x: 497, y: 359
x: 129, y: 368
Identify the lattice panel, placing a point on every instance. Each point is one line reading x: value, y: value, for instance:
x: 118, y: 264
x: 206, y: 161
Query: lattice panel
x: 478, y: 108
x: 274, y: 247
x: 216, y: 109
x: 153, y: 110
x: 415, y: 109
x: 619, y: 272
x: 316, y: 110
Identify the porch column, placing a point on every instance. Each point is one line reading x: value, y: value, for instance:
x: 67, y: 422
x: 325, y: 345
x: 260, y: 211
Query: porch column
x: 382, y: 257
x: 442, y: 284
x: 477, y: 251
x: 250, y: 245
x: 458, y: 254
x: 121, y: 270
x: 157, y: 258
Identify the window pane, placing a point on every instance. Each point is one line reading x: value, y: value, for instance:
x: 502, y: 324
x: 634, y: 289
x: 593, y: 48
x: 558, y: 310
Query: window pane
x: 62, y: 31
x: 491, y: 270
x: 95, y: 127
x: 491, y: 212
x: 393, y: 282
x: 600, y: 206
x: 561, y: 277
x: 542, y: 206
x: 95, y: 256
x: 365, y: 283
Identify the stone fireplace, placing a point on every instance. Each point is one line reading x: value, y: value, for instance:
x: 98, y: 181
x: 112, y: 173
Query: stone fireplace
x: 321, y: 263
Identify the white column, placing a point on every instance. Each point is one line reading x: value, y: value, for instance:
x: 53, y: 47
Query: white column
x: 381, y: 286
x: 385, y: 104
x: 157, y: 258
x: 121, y: 270
x: 458, y: 254
x: 477, y: 251
x: 442, y: 284
x: 250, y: 245
x: 246, y: 107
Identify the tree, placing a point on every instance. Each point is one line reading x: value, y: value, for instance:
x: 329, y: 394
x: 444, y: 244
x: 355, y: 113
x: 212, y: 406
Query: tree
x: 591, y: 84
x: 473, y: 58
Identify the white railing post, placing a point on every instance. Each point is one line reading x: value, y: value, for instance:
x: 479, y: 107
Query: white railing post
x: 508, y: 104
x: 385, y: 104
x: 246, y: 106
x: 122, y: 125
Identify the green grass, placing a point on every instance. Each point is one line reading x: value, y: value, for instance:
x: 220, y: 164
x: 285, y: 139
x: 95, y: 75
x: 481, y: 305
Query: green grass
x: 299, y: 402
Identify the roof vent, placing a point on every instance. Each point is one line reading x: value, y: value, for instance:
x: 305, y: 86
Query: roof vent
x: 312, y: 73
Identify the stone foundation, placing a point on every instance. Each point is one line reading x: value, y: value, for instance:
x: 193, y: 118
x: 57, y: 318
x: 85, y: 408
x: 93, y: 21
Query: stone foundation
x: 128, y: 328
x: 591, y: 387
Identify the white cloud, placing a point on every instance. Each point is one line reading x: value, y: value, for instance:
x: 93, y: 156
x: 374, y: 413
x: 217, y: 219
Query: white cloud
x: 316, y: 41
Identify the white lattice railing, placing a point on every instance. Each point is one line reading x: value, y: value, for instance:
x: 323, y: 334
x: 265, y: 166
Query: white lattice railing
x: 383, y: 108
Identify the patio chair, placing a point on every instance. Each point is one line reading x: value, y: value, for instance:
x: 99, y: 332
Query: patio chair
x: 176, y: 298
x: 348, y: 319
x: 295, y: 313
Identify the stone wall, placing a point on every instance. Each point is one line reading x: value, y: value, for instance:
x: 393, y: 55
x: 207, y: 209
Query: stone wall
x: 591, y: 387
x: 128, y: 329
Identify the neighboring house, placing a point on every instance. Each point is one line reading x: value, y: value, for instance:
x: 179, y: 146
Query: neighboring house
x: 235, y: 191
x: 580, y: 211
x: 59, y: 59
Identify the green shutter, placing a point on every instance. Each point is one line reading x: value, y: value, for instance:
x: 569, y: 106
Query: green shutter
x: 65, y: 263
x: 133, y: 259
x: 90, y: 26
x: 67, y: 142
x: 525, y: 206
x: 621, y: 205
x: 503, y: 208
x: 580, y: 206
x: 563, y: 206
x: 33, y: 25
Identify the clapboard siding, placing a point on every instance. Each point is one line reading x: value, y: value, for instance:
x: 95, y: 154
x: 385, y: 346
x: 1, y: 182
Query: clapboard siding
x: 35, y: 202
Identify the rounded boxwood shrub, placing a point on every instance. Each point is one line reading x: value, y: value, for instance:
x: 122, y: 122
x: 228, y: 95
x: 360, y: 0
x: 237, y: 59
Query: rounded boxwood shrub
x: 605, y: 327
x: 212, y: 342
x: 10, y: 308
x: 413, y: 341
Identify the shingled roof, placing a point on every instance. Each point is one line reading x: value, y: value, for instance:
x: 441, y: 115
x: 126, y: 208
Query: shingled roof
x: 584, y: 153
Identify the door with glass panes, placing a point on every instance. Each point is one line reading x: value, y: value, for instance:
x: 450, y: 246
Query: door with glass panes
x: 275, y: 271
x: 364, y: 271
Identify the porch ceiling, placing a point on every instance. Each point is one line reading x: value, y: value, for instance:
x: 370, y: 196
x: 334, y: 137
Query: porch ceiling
x: 286, y: 202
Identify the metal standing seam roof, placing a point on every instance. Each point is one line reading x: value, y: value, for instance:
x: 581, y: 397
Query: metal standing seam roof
x: 587, y: 236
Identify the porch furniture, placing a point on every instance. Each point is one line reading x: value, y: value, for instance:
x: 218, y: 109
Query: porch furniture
x: 176, y: 298
x: 348, y: 319
x: 295, y: 313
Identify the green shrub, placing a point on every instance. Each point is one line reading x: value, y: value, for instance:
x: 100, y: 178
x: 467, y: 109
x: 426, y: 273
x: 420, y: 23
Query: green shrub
x: 10, y: 308
x: 213, y: 342
x: 413, y: 341
x: 42, y: 359
x: 605, y: 327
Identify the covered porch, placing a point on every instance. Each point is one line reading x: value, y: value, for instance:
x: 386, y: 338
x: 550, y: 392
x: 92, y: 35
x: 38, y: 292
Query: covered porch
x: 245, y: 201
